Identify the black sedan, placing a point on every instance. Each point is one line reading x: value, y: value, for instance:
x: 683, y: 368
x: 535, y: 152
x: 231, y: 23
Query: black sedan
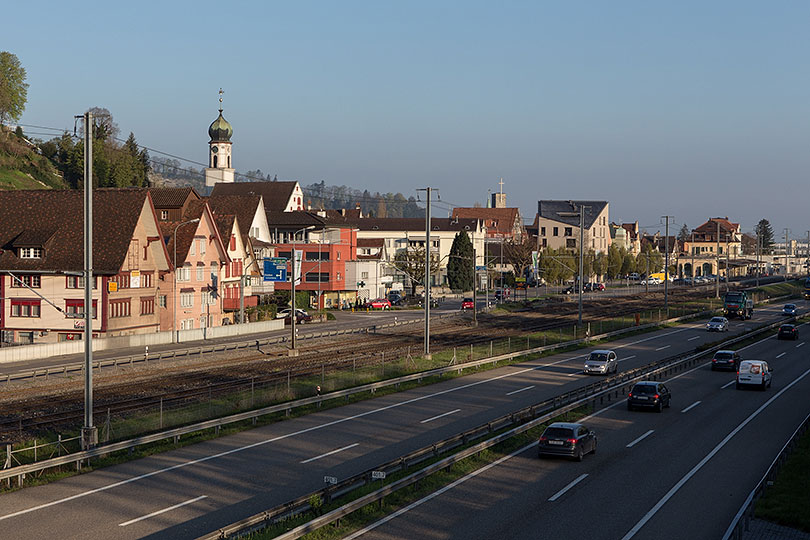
x: 788, y: 331
x: 650, y: 394
x: 566, y: 439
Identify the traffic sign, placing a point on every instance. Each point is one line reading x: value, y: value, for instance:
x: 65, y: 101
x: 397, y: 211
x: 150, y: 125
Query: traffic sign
x: 275, y: 269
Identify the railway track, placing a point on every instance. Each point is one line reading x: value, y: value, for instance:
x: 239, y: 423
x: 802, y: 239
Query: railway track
x: 39, y: 413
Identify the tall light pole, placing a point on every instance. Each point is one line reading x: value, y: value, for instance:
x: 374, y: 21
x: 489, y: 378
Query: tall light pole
x: 174, y: 289
x: 293, y: 312
x: 666, y: 263
x: 89, y: 431
x: 429, y: 191
x: 579, y: 281
x: 787, y: 259
x: 717, y: 262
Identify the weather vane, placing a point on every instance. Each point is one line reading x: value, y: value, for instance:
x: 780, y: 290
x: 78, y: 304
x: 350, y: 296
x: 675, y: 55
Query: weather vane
x: 220, y: 99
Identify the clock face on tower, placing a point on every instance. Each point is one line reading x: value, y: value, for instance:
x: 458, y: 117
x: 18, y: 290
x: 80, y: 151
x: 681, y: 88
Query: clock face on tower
x: 214, y: 149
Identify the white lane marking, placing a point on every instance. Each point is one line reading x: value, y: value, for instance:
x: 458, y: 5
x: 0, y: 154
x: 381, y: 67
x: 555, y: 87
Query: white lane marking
x: 692, y: 406
x: 693, y: 338
x: 662, y: 348
x: 513, y: 392
x: 728, y: 384
x: 307, y: 430
x: 431, y: 419
x: 632, y: 444
x: 627, y: 357
x: 800, y: 344
x: 643, y: 521
x: 316, y: 458
x: 169, y: 509
x: 780, y: 355
x: 560, y: 493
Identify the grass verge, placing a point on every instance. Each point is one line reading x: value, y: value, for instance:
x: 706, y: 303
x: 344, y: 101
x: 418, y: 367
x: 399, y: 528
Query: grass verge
x: 787, y: 500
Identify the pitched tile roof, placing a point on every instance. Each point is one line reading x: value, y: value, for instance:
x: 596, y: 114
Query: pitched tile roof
x: 184, y: 235
x: 711, y: 226
x: 242, y: 206
x: 54, y: 221
x: 167, y: 197
x: 497, y: 220
x: 276, y: 195
x: 288, y: 219
x: 407, y: 224
x: 553, y: 209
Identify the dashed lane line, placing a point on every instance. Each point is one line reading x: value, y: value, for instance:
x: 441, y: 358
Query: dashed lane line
x: 169, y: 509
x: 316, y: 458
x: 431, y: 419
x: 560, y: 493
x: 692, y: 406
x: 632, y: 444
x: 513, y: 392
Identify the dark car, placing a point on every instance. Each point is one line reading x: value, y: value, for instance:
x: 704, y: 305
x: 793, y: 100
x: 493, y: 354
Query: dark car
x: 566, y: 439
x: 725, y: 360
x: 788, y: 331
x: 649, y: 394
x: 395, y: 299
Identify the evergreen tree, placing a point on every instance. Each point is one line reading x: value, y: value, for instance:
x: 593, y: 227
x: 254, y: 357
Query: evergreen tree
x: 460, y: 272
x: 684, y: 233
x: 765, y: 233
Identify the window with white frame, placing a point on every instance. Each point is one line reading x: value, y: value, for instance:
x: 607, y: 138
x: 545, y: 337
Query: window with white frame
x: 192, y: 249
x: 201, y: 242
x: 30, y: 253
x: 186, y: 299
x: 28, y: 280
x: 200, y: 273
x: 162, y: 300
x: 363, y: 275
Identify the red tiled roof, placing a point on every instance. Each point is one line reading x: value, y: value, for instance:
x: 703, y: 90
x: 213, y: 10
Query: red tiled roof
x: 502, y: 220
x: 276, y: 195
x: 242, y: 206
x: 171, y: 197
x: 54, y: 221
x: 711, y: 226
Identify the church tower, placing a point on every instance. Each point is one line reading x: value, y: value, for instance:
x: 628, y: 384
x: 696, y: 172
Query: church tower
x: 499, y: 199
x: 219, y: 150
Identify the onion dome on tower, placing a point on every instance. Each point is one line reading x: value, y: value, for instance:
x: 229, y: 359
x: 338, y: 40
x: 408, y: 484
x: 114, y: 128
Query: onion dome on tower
x: 220, y: 129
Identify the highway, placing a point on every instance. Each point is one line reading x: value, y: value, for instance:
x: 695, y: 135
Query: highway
x: 197, y: 489
x: 680, y: 474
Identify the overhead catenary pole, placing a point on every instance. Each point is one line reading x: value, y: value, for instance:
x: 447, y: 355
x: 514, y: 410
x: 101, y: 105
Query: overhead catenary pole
x: 807, y: 255
x: 581, y: 258
x: 666, y: 264
x: 475, y: 288
x: 787, y: 258
x: 717, y: 263
x: 89, y: 431
x: 428, y: 191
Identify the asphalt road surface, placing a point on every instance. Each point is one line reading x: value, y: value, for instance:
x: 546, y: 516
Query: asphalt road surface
x: 681, y: 474
x: 195, y: 490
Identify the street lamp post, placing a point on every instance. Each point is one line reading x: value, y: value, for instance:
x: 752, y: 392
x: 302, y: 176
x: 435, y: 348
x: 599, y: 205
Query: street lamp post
x: 293, y: 312
x: 174, y: 289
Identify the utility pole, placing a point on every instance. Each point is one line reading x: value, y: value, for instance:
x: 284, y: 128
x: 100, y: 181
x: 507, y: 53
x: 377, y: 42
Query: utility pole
x: 692, y: 249
x: 717, y: 262
x: 787, y: 259
x: 581, y: 258
x: 666, y: 263
x: 728, y: 276
x: 429, y: 191
x: 759, y: 267
x: 475, y: 290
x: 89, y: 431
x: 807, y: 253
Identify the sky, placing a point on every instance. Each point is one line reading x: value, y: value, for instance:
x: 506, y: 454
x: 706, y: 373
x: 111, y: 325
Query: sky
x: 691, y: 109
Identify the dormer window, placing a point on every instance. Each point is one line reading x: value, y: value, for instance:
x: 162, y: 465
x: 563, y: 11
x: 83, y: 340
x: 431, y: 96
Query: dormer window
x: 30, y: 253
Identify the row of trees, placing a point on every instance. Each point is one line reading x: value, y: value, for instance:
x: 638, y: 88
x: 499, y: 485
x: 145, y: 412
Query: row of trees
x: 384, y: 205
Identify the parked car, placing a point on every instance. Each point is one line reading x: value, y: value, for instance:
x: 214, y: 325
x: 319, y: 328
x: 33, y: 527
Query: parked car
x: 566, y: 439
x: 754, y: 373
x: 633, y: 276
x: 789, y: 309
x: 725, y: 360
x: 380, y: 303
x: 649, y: 394
x: 395, y: 298
x: 467, y: 303
x: 717, y: 324
x: 593, y: 287
x: 651, y: 281
x: 788, y: 331
x: 301, y: 316
x: 568, y: 290
x: 601, y: 361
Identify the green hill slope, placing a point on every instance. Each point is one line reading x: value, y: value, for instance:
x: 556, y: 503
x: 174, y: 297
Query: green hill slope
x: 21, y: 167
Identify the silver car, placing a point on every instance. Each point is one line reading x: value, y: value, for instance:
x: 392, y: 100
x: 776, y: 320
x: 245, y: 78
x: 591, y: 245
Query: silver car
x: 717, y: 324
x: 601, y: 362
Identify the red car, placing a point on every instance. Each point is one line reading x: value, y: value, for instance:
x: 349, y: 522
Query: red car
x: 380, y: 303
x: 467, y: 303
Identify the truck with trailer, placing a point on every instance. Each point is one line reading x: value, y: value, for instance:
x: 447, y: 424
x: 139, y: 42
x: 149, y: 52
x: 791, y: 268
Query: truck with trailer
x: 738, y: 304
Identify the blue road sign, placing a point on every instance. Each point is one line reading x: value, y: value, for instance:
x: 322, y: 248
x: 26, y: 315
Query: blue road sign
x: 275, y: 269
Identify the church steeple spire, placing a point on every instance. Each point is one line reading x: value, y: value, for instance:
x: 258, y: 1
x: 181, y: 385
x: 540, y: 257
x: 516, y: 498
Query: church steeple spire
x: 219, y: 150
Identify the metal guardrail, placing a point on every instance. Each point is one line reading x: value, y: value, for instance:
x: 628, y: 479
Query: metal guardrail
x: 537, y: 414
x: 63, y: 369
x: 21, y: 471
x: 742, y: 520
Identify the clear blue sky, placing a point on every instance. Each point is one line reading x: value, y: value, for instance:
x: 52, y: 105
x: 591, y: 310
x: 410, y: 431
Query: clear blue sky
x: 693, y: 108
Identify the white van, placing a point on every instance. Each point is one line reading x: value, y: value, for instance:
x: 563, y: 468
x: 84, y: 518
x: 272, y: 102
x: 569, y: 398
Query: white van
x: 754, y: 373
